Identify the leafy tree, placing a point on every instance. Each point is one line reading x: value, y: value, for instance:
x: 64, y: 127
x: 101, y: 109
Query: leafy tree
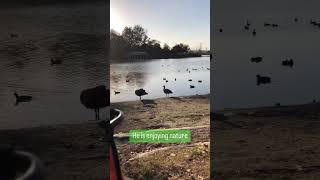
x: 166, y: 48
x: 118, y: 45
x: 180, y: 48
x: 135, y: 37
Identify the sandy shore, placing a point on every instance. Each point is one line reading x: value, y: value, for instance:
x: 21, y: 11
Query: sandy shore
x: 280, y: 142
x: 163, y: 160
x: 77, y: 151
x: 267, y: 143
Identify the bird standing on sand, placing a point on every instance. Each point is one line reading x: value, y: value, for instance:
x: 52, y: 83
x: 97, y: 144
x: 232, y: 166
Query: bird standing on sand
x: 166, y: 91
x: 22, y: 98
x: 95, y: 98
x: 140, y: 92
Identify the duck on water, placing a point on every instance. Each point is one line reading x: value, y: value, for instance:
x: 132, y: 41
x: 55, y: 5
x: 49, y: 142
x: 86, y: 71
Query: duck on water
x: 20, y: 99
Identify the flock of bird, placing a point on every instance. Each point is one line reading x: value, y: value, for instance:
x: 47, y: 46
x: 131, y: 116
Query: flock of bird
x: 141, y: 92
x: 24, y: 98
x: 266, y: 79
x: 286, y: 62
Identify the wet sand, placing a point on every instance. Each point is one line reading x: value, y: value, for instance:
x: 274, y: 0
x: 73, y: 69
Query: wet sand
x: 267, y: 143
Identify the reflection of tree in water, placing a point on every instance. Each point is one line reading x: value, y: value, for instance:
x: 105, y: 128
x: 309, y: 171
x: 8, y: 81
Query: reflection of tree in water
x: 18, y: 49
x: 82, y: 52
x: 77, y: 47
x: 18, y: 54
x: 133, y: 79
x: 136, y: 79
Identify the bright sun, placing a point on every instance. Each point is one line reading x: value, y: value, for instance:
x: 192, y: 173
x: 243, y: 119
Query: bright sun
x: 115, y: 22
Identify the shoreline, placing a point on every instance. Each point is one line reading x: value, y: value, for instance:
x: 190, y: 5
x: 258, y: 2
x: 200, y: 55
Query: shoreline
x: 78, y: 151
x: 123, y: 60
x: 260, y: 142
x: 267, y: 143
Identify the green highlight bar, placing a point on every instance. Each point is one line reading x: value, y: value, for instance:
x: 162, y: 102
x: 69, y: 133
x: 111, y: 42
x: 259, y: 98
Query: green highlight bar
x: 160, y: 136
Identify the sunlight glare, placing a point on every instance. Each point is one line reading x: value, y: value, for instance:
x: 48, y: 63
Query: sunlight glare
x: 115, y: 22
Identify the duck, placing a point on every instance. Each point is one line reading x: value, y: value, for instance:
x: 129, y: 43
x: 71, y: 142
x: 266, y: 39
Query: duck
x: 55, y: 61
x: 288, y: 63
x: 140, y: 92
x: 166, y: 91
x: 22, y: 98
x: 254, y: 32
x: 263, y: 79
x: 200, y: 81
x: 190, y: 80
x: 266, y: 24
x: 95, y: 98
x: 13, y: 35
x: 256, y: 59
x: 116, y: 92
x: 313, y: 22
x: 192, y: 86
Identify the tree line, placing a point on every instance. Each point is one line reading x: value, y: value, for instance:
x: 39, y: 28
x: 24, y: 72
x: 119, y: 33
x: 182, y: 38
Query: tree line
x: 136, y: 39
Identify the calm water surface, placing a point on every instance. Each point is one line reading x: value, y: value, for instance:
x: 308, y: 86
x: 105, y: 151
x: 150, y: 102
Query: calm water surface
x: 127, y: 77
x: 234, y: 76
x: 72, y: 33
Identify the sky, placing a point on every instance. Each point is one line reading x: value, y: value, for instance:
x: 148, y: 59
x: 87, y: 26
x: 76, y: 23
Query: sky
x: 168, y: 21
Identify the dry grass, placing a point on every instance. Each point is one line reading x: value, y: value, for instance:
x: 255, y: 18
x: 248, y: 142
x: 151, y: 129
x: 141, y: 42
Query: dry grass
x: 172, y: 163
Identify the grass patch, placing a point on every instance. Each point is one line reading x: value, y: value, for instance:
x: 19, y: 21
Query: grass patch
x: 175, y: 163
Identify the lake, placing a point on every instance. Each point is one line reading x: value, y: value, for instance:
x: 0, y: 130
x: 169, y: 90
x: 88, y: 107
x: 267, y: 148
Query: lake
x: 74, y: 33
x: 234, y: 76
x: 127, y: 77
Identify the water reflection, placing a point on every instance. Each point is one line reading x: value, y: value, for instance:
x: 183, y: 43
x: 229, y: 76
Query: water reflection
x: 149, y: 75
x: 76, y: 35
